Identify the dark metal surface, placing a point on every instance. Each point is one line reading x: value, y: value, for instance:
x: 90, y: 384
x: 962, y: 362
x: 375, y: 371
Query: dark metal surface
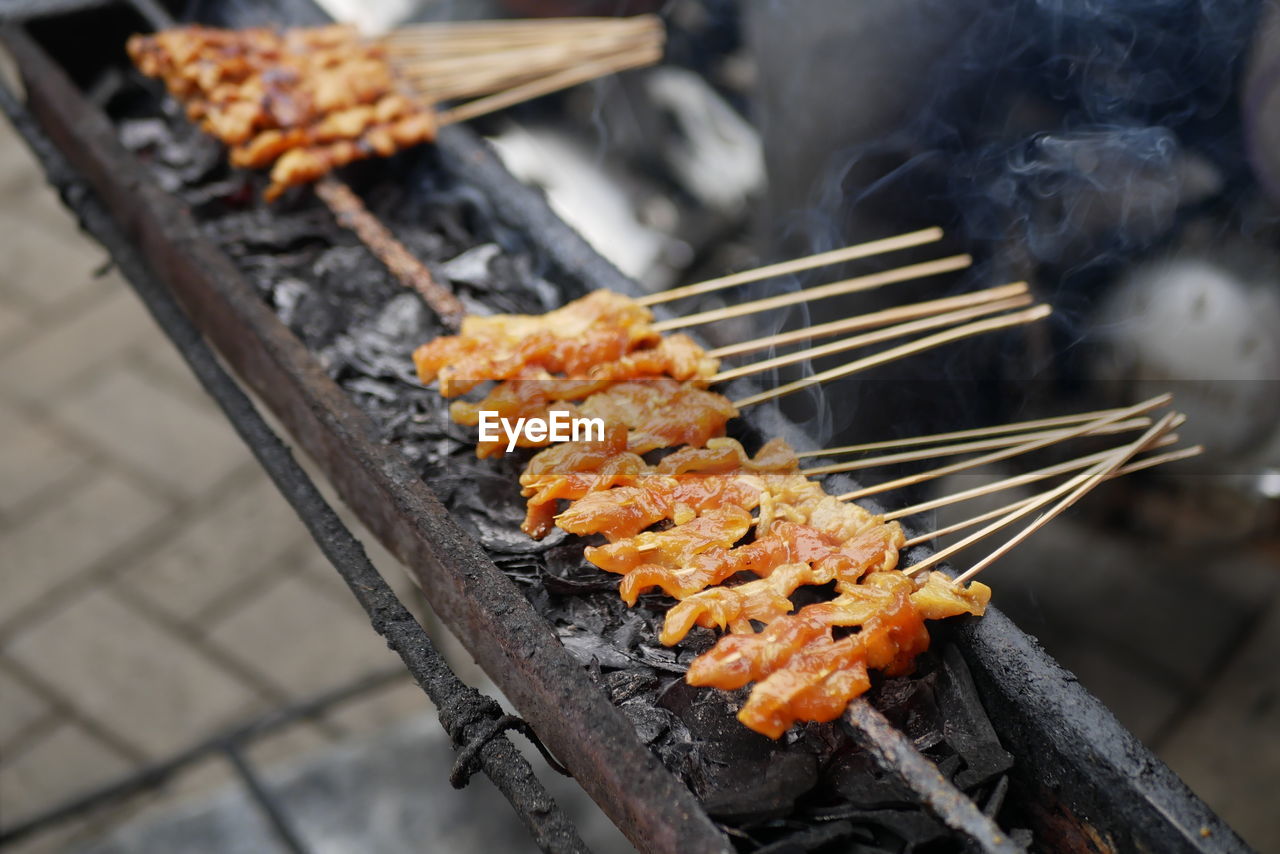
x: 1083, y: 781
x: 515, y: 646
x: 1082, y: 776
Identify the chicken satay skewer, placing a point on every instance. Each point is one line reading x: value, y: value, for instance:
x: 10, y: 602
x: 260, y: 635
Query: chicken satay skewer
x: 587, y: 518
x: 622, y: 555
x: 803, y: 673
x: 608, y: 394
x: 1008, y: 483
x: 447, y: 358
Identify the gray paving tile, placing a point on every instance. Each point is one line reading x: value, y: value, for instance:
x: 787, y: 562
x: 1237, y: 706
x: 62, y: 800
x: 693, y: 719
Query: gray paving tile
x: 47, y: 263
x: 162, y: 360
x: 75, y: 343
x: 388, y: 794
x: 1228, y: 748
x: 193, y: 784
x: 33, y: 459
x: 63, y: 763
x: 315, y: 564
x: 186, y: 447
x: 135, y: 679
x: 242, y: 540
x: 103, y: 515
x: 23, y: 185
x: 301, y: 638
x: 379, y: 709
x: 12, y: 324
x: 20, y: 707
x: 62, y: 837
x: 297, y: 739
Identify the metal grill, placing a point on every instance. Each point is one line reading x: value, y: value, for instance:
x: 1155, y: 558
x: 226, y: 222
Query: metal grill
x: 1080, y: 781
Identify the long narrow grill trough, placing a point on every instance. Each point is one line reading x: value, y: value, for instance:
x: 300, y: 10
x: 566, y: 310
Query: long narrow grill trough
x: 321, y: 333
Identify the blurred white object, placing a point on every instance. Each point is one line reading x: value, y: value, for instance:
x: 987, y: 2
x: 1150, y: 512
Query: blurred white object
x: 717, y: 155
x: 581, y: 191
x: 372, y: 17
x: 1208, y: 330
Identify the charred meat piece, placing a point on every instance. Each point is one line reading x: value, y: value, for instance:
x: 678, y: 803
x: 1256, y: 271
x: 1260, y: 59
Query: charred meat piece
x: 303, y: 102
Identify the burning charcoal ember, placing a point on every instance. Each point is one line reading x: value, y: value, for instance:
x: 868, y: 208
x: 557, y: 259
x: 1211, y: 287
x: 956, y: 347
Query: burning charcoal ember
x: 811, y: 790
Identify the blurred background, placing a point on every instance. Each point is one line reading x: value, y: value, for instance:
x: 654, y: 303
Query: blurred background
x: 1123, y: 158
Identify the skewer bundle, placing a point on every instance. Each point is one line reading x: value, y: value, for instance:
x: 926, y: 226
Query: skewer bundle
x: 805, y: 665
x: 708, y: 513
x: 309, y: 100
x: 604, y: 355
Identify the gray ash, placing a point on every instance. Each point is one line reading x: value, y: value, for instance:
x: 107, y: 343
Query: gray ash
x: 814, y: 790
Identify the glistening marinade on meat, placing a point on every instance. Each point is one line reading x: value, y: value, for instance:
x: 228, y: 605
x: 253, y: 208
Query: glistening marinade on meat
x: 731, y: 537
x: 300, y: 101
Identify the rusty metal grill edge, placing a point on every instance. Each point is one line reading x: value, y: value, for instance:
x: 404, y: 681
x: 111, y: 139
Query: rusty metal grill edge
x: 1093, y: 780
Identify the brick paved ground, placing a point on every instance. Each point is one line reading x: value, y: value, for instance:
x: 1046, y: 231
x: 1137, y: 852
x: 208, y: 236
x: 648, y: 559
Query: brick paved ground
x: 154, y: 587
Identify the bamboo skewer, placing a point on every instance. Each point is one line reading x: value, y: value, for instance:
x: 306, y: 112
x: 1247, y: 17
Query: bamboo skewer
x: 512, y: 62
x: 1114, y: 416
x: 490, y: 32
x: 1073, y: 490
x: 798, y: 265
x: 975, y: 433
x: 968, y: 448
x: 1014, y: 481
x: 871, y: 320
x: 350, y: 212
x: 546, y: 85
x: 869, y: 338
x: 1103, y: 471
x: 434, y: 40
x: 502, y: 63
x: 1145, y: 463
x: 845, y: 286
x: 957, y: 333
